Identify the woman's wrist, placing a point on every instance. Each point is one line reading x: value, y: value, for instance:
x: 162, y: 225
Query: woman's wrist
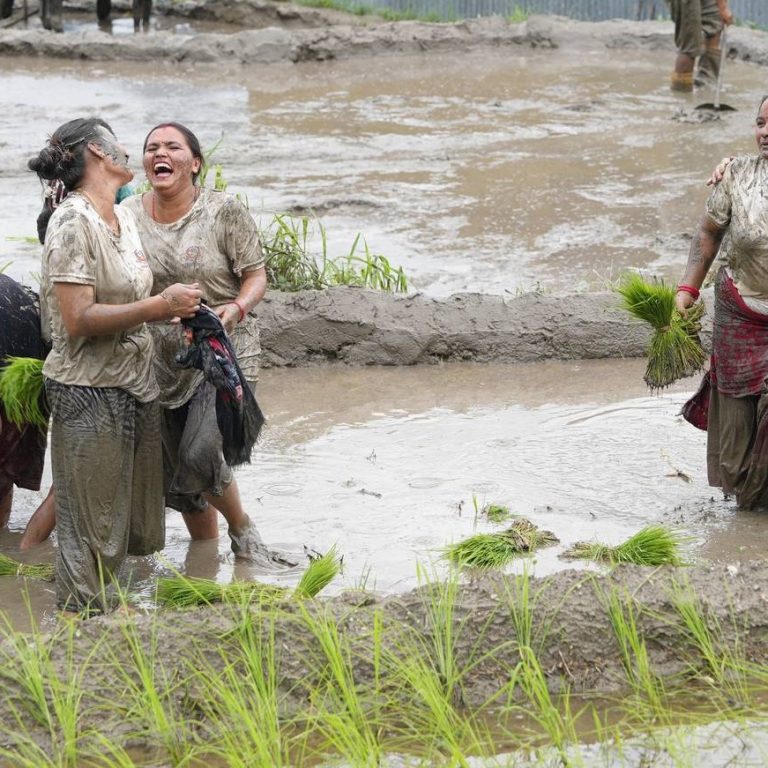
x: 691, y: 290
x: 241, y: 308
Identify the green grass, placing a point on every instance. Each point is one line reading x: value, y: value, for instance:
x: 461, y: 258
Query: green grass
x: 292, y: 266
x: 653, y: 545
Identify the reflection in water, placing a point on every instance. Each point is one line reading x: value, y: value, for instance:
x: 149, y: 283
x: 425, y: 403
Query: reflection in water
x: 389, y: 465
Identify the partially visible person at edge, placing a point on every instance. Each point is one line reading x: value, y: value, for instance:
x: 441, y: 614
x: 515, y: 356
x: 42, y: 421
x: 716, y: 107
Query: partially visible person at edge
x: 194, y: 233
x: 698, y: 28
x: 106, y: 454
x: 732, y: 404
x: 22, y: 447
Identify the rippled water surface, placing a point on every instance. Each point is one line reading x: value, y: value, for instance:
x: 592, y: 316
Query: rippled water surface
x: 495, y: 171
x: 488, y: 172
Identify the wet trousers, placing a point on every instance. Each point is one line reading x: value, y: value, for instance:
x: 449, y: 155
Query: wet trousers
x: 106, y: 459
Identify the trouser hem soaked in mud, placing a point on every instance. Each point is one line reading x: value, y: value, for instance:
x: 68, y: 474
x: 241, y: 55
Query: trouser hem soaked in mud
x: 106, y: 459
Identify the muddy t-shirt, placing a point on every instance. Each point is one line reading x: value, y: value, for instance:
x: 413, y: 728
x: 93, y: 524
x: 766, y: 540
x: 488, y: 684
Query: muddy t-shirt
x: 80, y: 248
x: 213, y: 245
x: 739, y: 204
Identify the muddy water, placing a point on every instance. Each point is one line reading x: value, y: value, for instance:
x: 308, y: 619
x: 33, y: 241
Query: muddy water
x: 387, y: 465
x: 493, y: 172
x: 496, y: 171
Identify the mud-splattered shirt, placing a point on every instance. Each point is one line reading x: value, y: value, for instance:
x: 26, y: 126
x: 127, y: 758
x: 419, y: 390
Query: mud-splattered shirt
x: 213, y: 245
x: 80, y: 248
x: 739, y: 204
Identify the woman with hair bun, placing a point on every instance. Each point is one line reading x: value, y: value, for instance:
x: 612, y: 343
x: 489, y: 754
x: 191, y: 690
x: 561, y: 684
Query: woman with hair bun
x: 105, y: 422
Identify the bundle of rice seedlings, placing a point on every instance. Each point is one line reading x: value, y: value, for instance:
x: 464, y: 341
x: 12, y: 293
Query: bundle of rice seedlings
x: 494, y: 550
x: 11, y: 567
x: 653, y: 545
x: 21, y: 391
x: 675, y: 349
x: 496, y: 513
x: 184, y: 591
x: 320, y: 572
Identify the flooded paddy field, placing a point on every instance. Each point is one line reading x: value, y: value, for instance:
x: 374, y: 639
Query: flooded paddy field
x: 497, y: 171
x: 389, y: 465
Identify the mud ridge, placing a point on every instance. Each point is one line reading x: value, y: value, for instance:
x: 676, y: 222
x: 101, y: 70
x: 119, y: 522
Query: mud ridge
x: 576, y: 645
x: 354, y: 326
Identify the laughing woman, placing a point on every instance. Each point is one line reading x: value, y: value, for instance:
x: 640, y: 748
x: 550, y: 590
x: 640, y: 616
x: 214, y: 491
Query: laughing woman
x: 195, y: 234
x: 105, y: 420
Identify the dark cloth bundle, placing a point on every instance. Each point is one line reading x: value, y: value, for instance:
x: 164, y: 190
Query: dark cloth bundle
x: 238, y: 414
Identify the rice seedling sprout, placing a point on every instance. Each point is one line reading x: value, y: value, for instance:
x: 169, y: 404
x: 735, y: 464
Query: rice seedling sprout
x: 11, y: 567
x: 22, y: 392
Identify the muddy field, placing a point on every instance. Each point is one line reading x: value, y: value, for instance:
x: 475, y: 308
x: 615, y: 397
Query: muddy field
x: 436, y: 325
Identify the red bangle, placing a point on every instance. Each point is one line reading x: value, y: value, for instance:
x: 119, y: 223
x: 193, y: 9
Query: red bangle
x: 688, y: 289
x: 241, y: 308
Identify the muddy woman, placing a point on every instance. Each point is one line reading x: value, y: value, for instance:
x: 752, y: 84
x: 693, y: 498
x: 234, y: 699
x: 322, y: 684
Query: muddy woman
x: 734, y: 398
x: 95, y: 300
x: 196, y: 234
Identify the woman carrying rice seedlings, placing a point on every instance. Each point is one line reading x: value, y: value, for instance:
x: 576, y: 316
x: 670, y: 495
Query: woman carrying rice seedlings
x: 731, y: 404
x: 22, y: 445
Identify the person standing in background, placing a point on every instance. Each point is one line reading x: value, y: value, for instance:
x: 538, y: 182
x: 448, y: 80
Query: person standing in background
x: 698, y: 28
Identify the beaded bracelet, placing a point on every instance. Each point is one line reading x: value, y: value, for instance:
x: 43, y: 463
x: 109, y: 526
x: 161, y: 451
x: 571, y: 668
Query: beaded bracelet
x: 241, y: 308
x: 688, y: 289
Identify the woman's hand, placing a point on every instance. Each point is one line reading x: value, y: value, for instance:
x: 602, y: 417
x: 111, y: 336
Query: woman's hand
x: 719, y: 172
x: 683, y: 302
x: 182, y: 300
x: 229, y: 314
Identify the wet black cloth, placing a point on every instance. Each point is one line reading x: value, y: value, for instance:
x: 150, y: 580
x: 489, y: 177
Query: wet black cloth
x: 237, y: 413
x: 22, y: 449
x: 19, y: 322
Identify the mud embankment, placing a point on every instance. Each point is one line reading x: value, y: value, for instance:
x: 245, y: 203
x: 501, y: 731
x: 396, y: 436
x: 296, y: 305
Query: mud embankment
x: 575, y: 641
x: 265, y: 32
x: 362, y: 327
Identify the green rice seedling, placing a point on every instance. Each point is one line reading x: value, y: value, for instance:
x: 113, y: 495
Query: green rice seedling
x: 559, y: 727
x: 496, y: 513
x: 240, y: 697
x: 495, y: 550
x: 675, y: 349
x: 648, y: 687
x: 185, y: 591
x: 726, y: 667
x: 51, y: 696
x: 343, y: 718
x: 148, y: 696
x: 11, y: 567
x: 654, y: 545
x: 320, y: 572
x: 22, y: 392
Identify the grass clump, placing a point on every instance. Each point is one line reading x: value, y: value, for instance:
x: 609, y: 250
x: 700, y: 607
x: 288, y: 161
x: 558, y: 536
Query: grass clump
x: 11, y: 567
x: 653, y: 545
x: 496, y: 513
x: 22, y: 392
x: 320, y: 572
x: 495, y: 550
x: 292, y: 267
x: 185, y: 591
x: 675, y: 349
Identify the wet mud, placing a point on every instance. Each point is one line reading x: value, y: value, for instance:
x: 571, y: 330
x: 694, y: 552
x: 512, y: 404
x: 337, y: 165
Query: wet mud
x: 357, y: 328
